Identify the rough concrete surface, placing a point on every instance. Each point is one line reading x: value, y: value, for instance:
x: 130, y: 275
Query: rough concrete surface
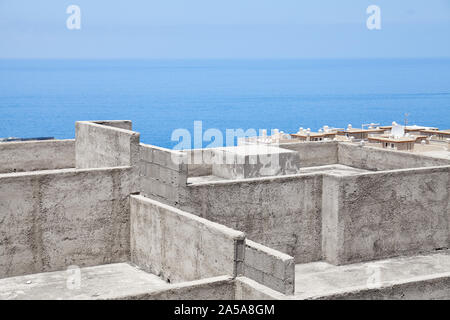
x: 179, y: 246
x: 313, y: 154
x: 372, y: 158
x: 36, y: 155
x: 384, y: 214
x: 163, y: 173
x: 283, y: 213
x: 269, y: 267
x: 344, y: 204
x: 98, y: 282
x: 415, y: 277
x: 248, y: 289
x: 216, y: 288
x: 45, y: 227
x: 99, y: 146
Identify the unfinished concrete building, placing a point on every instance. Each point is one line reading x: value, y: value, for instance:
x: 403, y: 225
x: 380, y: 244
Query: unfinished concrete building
x: 107, y: 217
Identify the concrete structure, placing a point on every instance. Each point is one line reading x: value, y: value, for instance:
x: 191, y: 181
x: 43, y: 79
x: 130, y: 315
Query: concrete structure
x: 414, y: 129
x: 36, y: 155
x: 360, y: 134
x: 314, y: 136
x: 439, y: 134
x: 402, y: 143
x: 107, y: 217
x: 253, y: 161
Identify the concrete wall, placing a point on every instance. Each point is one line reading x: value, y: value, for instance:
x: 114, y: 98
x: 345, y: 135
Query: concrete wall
x: 100, y: 146
x: 50, y: 220
x: 179, y: 246
x: 200, y: 162
x: 254, y: 161
x: 269, y: 267
x: 384, y: 214
x: 217, y: 288
x: 283, y: 213
x: 424, y: 288
x: 36, y: 155
x: 310, y: 153
x: 372, y: 158
x: 163, y: 173
x: 314, y: 153
x: 248, y: 289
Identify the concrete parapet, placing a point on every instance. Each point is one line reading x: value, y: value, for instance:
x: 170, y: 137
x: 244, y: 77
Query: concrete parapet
x: 313, y: 154
x: 103, y: 145
x: 36, y: 155
x: 199, y: 162
x: 378, y: 215
x: 179, y: 246
x: 377, y: 159
x: 281, y: 212
x: 216, y: 288
x: 163, y: 173
x: 269, y: 267
x: 248, y: 289
x: 53, y: 219
x: 429, y: 288
x: 424, y: 276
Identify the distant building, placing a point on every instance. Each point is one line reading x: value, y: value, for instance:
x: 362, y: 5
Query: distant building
x: 440, y: 135
x: 403, y: 143
x: 314, y: 136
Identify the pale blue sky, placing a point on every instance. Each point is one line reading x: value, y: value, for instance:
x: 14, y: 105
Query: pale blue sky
x: 224, y: 29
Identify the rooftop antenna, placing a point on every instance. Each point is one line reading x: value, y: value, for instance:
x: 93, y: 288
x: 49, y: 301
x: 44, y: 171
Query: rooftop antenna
x: 406, y: 119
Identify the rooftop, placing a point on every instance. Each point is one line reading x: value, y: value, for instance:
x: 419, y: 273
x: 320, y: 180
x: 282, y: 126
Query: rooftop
x: 107, y: 217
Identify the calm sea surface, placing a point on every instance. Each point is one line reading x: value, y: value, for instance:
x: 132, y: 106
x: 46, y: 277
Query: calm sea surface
x: 46, y: 97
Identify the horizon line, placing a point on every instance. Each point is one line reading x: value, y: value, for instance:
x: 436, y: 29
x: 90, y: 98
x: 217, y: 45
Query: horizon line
x: 228, y: 58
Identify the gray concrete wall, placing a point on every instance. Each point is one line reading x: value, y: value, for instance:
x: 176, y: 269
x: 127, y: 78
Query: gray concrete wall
x: 269, y: 267
x: 179, y: 246
x: 283, y: 213
x: 377, y: 159
x: 100, y: 146
x: 248, y: 289
x: 217, y: 288
x: 200, y: 162
x: 254, y: 161
x: 310, y: 154
x: 423, y: 288
x: 53, y: 219
x: 384, y: 214
x: 36, y: 155
x: 314, y: 154
x: 163, y: 173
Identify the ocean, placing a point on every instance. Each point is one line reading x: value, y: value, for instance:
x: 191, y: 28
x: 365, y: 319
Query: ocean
x: 45, y: 97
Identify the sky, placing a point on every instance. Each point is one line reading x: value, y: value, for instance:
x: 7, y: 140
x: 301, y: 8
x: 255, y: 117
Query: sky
x: 224, y: 29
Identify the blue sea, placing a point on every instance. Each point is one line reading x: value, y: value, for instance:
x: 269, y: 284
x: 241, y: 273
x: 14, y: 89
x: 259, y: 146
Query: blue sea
x: 46, y: 97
